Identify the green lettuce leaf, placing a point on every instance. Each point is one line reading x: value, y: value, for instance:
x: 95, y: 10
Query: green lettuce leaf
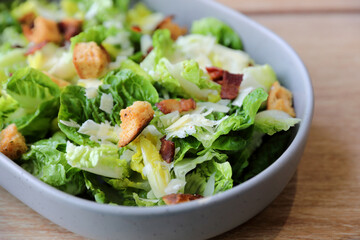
x: 209, y: 178
x: 125, y: 88
x: 103, y: 192
x: 223, y: 33
x: 181, y: 168
x: 270, y: 150
x: 242, y: 118
x: 37, y: 99
x: 47, y: 161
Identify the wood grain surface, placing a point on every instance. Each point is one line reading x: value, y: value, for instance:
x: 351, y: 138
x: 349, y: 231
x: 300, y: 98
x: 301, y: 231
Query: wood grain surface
x: 322, y: 201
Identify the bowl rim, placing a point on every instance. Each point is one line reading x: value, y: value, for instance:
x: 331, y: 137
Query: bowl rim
x: 299, y: 138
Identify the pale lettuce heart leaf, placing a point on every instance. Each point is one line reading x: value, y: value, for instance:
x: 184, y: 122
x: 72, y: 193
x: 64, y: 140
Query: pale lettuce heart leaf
x: 103, y: 160
x: 156, y: 170
x: 273, y: 121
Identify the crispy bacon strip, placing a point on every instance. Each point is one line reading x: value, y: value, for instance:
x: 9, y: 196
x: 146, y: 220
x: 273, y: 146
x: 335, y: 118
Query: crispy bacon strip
x: 171, y: 105
x: 167, y: 150
x: 175, y: 30
x: 70, y: 27
x: 230, y: 85
x: 136, y: 28
x: 172, y: 199
x: 35, y: 48
x: 216, y: 74
x: 229, y: 82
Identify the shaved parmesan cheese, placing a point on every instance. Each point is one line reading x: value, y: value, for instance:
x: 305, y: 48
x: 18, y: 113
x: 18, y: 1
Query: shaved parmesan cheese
x: 102, y: 133
x: 174, y: 186
x: 106, y: 103
x: 70, y: 123
x: 91, y: 93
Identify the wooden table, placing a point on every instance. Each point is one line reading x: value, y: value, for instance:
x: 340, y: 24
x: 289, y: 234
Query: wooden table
x: 322, y: 201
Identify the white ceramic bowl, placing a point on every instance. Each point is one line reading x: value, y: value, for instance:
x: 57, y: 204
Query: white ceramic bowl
x: 200, y: 219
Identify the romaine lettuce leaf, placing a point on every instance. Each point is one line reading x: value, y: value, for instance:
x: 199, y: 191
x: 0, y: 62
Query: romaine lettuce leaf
x: 105, y: 193
x: 47, y: 161
x: 38, y: 102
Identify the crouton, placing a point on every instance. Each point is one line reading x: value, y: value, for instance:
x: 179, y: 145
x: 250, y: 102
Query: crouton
x: 172, y: 199
x: 70, y: 27
x: 44, y: 30
x: 27, y: 19
x: 90, y: 60
x: 133, y: 120
x: 280, y: 99
x: 12, y: 143
x: 60, y: 82
x: 175, y: 30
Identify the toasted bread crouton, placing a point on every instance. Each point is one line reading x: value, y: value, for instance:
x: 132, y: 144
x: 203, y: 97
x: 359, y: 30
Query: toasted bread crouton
x: 175, y: 30
x: 133, y: 120
x: 60, y: 82
x: 12, y: 143
x: 27, y: 19
x: 44, y: 30
x: 89, y: 60
x: 280, y: 99
x: 177, y: 198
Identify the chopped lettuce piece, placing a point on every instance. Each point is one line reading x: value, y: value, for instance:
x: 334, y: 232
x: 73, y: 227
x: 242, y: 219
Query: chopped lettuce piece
x: 209, y: 178
x: 272, y: 121
x: 103, y: 160
x: 181, y: 168
x: 223, y: 33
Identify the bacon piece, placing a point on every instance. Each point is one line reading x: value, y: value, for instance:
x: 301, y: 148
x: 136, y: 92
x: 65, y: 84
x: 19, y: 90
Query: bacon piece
x: 229, y: 82
x: 175, y: 30
x: 215, y: 73
x: 70, y: 27
x: 230, y: 85
x: 171, y: 105
x: 12, y: 143
x: 167, y: 150
x: 136, y: 28
x: 35, y: 48
x: 177, y: 198
x: 187, y: 105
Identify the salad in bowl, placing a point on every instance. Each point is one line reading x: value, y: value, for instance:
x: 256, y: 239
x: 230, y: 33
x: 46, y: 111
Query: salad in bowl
x: 122, y: 105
